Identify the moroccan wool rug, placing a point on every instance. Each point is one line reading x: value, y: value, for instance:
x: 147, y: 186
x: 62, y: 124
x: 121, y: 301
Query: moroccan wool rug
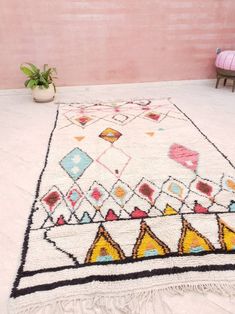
x: 133, y: 198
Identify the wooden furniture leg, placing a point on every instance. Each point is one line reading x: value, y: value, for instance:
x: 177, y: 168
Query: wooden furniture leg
x: 233, y: 86
x: 225, y: 81
x: 217, y: 82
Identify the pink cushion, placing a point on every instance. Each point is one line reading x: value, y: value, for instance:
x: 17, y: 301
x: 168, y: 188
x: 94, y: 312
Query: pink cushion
x: 226, y: 60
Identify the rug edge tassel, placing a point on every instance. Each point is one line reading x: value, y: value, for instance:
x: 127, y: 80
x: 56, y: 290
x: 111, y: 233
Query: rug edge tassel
x: 124, y: 302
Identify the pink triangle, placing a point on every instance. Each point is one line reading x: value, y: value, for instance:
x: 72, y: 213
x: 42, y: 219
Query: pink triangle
x: 111, y: 215
x: 199, y: 209
x: 138, y: 213
x: 60, y: 220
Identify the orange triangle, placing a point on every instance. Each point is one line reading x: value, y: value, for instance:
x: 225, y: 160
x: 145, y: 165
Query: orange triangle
x: 79, y: 138
x: 150, y: 133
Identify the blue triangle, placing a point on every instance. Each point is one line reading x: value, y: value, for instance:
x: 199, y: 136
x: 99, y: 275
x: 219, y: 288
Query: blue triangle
x: 86, y: 219
x: 232, y: 206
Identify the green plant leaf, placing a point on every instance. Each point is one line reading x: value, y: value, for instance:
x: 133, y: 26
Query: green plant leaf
x: 33, y: 67
x: 31, y: 84
x: 26, y: 82
x: 43, y: 80
x: 26, y: 71
x: 37, y: 77
x: 47, y: 74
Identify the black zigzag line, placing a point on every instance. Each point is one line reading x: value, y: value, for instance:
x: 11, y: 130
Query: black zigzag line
x: 59, y: 249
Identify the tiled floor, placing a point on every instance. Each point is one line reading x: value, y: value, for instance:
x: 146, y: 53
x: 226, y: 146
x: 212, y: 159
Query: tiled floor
x: 25, y: 128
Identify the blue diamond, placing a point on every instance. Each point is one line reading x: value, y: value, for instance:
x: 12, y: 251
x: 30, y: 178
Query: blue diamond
x: 75, y: 163
x: 74, y: 196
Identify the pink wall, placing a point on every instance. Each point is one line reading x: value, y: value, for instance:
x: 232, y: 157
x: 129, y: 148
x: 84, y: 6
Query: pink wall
x: 112, y: 41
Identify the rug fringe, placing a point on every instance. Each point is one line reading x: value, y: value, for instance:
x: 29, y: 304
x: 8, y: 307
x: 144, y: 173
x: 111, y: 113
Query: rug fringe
x: 134, y: 302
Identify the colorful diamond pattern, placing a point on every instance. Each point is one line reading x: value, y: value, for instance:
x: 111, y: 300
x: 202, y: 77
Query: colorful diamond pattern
x: 153, y: 116
x: 184, y: 156
x: 74, y: 197
x: 147, y: 190
x: 75, y: 163
x: 121, y: 192
x: 175, y: 188
x: 51, y: 199
x: 97, y: 195
x: 228, y: 183
x: 110, y: 135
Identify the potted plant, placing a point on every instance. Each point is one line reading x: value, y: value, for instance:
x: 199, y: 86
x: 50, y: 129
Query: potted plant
x: 40, y: 81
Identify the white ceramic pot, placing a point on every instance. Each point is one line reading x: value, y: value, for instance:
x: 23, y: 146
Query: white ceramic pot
x: 42, y: 94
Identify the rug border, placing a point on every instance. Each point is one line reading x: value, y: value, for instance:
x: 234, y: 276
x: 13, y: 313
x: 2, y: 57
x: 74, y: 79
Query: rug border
x: 27, y: 231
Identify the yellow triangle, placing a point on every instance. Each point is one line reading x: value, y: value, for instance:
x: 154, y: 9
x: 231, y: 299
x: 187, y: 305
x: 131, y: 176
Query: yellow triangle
x: 79, y: 138
x: 148, y: 244
x: 150, y: 133
x: 192, y: 241
x: 169, y: 211
x: 104, y: 249
x: 227, y: 237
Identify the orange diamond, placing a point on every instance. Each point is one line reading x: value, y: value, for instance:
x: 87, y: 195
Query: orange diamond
x: 110, y: 135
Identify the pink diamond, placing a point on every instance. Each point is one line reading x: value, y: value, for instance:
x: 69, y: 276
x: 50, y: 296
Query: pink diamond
x: 96, y: 194
x: 184, y: 156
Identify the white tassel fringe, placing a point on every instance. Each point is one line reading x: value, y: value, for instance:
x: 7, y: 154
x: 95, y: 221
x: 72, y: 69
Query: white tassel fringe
x: 132, y: 302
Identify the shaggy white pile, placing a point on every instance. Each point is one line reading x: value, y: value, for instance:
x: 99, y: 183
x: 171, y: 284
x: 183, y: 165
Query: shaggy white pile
x: 133, y: 198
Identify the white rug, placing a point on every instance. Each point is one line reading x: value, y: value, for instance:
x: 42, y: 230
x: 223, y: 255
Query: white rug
x: 133, y: 198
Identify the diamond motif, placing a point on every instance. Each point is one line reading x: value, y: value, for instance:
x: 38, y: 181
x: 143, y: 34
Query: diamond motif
x: 152, y: 115
x: 110, y: 135
x: 204, y: 187
x: 97, y: 195
x: 228, y: 183
x: 184, y: 156
x: 119, y: 118
x: 78, y: 117
x: 147, y: 190
x: 121, y: 192
x: 175, y: 188
x: 74, y: 197
x: 106, y: 159
x: 52, y: 199
x: 75, y: 163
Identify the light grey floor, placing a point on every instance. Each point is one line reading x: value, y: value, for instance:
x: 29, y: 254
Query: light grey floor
x: 25, y: 128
